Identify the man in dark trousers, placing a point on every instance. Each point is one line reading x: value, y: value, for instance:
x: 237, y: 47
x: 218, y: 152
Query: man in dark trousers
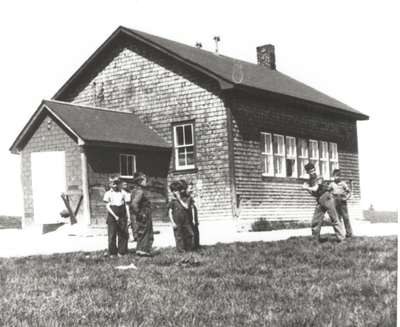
x: 325, y: 203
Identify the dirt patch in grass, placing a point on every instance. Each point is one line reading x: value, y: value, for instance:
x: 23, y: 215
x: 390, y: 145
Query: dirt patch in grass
x: 296, y: 282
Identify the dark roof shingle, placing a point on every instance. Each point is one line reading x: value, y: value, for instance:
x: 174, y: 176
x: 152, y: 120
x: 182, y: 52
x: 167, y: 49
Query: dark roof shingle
x: 97, y: 125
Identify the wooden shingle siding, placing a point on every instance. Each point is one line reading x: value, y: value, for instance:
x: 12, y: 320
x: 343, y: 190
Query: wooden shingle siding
x: 282, y: 198
x: 135, y: 78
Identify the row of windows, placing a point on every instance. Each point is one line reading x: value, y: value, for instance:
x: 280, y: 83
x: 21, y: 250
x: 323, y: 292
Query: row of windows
x: 282, y: 156
x: 286, y: 156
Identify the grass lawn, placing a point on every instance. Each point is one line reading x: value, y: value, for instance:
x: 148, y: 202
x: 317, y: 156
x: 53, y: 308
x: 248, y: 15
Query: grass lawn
x: 296, y: 282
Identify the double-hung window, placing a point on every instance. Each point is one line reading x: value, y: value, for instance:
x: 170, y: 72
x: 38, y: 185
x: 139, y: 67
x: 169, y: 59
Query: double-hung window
x: 333, y: 156
x: 303, y: 157
x: 127, y: 165
x: 184, y: 146
x: 267, y: 154
x: 279, y: 155
x: 291, y: 157
x: 286, y: 156
x: 314, y: 155
x: 324, y: 159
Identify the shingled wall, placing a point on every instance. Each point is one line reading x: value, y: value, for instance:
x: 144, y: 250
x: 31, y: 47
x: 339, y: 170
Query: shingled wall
x: 135, y: 78
x: 279, y: 198
x: 50, y: 136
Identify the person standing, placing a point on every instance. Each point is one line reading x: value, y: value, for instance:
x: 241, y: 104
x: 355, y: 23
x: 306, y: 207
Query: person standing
x: 194, y: 218
x: 325, y: 203
x: 118, y: 212
x: 141, y: 208
x: 179, y: 215
x: 341, y: 193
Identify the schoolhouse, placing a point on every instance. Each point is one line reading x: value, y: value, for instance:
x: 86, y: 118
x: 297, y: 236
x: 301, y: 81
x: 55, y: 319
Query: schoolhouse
x: 240, y: 131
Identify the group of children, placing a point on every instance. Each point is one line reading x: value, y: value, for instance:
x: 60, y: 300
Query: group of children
x: 332, y: 199
x: 131, y: 207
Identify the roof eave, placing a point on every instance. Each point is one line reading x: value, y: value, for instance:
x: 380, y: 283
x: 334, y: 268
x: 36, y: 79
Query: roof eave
x: 354, y: 115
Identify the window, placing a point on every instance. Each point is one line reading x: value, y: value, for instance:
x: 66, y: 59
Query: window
x: 184, y: 146
x: 303, y: 156
x: 314, y: 155
x: 267, y: 154
x: 286, y: 156
x: 333, y: 157
x: 279, y: 155
x: 291, y: 157
x: 127, y: 165
x: 324, y: 159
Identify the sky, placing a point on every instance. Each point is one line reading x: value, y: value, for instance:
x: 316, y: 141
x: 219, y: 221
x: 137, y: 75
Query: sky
x: 349, y: 50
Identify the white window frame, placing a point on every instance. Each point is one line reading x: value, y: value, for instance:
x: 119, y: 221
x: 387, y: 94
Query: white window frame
x: 324, y: 159
x: 291, y: 156
x: 280, y: 155
x: 267, y: 154
x: 333, y: 156
x: 125, y: 156
x: 314, y: 159
x: 184, y: 145
x: 303, y: 157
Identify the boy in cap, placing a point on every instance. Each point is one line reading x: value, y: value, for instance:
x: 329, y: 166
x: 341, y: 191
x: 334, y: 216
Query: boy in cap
x: 118, y: 212
x: 341, y: 193
x: 325, y: 203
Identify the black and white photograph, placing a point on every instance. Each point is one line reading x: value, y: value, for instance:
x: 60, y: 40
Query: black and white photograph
x: 214, y: 163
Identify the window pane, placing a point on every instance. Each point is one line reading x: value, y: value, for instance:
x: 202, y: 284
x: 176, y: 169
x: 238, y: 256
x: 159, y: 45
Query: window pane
x: 290, y: 167
x: 190, y: 155
x: 314, y: 149
x: 268, y: 142
x: 179, y: 135
x: 324, y: 150
x: 270, y: 165
x: 278, y: 163
x: 333, y: 150
x: 325, y: 169
x: 291, y: 146
x: 262, y: 142
x: 303, y: 148
x: 279, y: 144
x: 188, y: 135
x: 334, y: 165
x: 181, y: 157
x: 130, y: 166
x: 123, y: 165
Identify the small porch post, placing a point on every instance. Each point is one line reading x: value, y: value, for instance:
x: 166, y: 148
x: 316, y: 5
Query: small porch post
x: 85, y: 184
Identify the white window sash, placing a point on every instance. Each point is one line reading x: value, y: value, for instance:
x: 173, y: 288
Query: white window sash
x: 124, y: 158
x: 184, y: 145
x: 293, y: 156
x: 303, y: 157
x: 268, y: 154
x: 281, y: 155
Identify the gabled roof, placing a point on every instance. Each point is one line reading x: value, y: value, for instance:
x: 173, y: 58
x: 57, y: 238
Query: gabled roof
x: 222, y: 68
x: 94, y: 126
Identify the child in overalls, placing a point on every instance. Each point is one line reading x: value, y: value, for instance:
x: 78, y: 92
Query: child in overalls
x: 118, y: 212
x: 341, y: 193
x: 179, y: 215
x: 194, y: 219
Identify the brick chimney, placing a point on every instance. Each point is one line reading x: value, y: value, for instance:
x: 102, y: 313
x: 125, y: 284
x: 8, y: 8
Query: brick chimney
x: 266, y: 56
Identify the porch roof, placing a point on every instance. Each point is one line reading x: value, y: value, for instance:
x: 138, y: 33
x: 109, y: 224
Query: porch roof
x: 94, y: 126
